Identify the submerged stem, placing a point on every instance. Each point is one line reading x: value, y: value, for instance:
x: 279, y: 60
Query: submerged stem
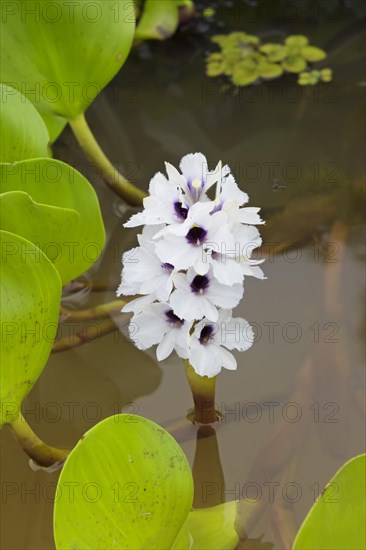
x: 93, y: 313
x: 36, y: 449
x: 123, y: 188
x: 203, y: 391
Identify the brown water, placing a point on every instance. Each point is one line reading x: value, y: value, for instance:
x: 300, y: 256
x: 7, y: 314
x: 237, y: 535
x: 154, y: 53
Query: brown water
x: 296, y: 400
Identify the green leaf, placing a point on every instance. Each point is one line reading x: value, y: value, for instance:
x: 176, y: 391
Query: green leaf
x: 209, y: 529
x: 29, y: 307
x: 337, y: 520
x: 294, y: 64
x: 71, y: 233
x: 64, y: 53
x: 313, y: 54
x: 297, y: 40
x: 23, y: 133
x: 270, y: 70
x: 41, y: 224
x: 134, y: 488
x: 55, y: 125
x: 159, y: 20
x: 274, y: 52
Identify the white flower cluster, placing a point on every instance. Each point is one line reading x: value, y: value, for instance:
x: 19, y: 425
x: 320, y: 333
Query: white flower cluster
x: 189, y: 267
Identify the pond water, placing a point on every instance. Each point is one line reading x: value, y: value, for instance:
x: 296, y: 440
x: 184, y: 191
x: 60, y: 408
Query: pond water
x: 293, y: 412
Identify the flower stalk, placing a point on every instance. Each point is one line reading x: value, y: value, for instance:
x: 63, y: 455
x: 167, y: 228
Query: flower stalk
x: 114, y: 179
x: 203, y: 391
x: 42, y: 454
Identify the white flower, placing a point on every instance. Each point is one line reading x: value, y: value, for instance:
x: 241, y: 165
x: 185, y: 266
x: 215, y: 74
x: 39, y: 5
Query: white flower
x: 209, y: 340
x: 198, y: 296
x: 189, y: 242
x: 144, y: 273
x: 157, y: 324
x: 188, y: 271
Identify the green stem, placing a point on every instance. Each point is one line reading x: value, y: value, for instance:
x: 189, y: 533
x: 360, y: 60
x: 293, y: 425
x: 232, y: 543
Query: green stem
x: 93, y: 313
x: 203, y: 391
x: 36, y: 449
x: 123, y: 188
x: 94, y: 332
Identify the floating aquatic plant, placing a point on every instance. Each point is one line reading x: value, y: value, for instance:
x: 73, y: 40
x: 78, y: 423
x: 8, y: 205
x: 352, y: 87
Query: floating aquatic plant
x: 245, y: 60
x: 193, y: 254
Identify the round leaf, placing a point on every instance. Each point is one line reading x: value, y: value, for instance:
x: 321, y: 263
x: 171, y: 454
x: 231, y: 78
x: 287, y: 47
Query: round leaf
x: 23, y: 134
x: 30, y: 301
x: 337, y: 518
x: 297, y: 40
x: 73, y: 235
x: 294, y: 64
x: 313, y: 54
x: 270, y: 70
x: 62, y: 54
x: 134, y: 488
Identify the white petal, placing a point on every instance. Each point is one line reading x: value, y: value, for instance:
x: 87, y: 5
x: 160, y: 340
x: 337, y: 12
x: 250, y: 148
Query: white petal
x: 225, y: 296
x: 147, y: 328
x: 166, y: 346
x: 194, y: 166
x: 235, y: 333
x: 204, y: 359
x: 137, y: 305
x: 226, y: 359
x: 250, y: 215
x: 186, y: 305
x: 227, y: 271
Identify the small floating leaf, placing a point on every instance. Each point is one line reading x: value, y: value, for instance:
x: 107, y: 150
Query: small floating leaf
x: 134, y: 489
x: 313, y: 54
x: 270, y: 70
x: 274, y: 52
x: 297, y: 40
x: 295, y: 64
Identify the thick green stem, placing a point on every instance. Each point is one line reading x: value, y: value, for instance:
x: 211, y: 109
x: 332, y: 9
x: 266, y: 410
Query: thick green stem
x: 123, y: 188
x: 36, y: 449
x: 203, y: 391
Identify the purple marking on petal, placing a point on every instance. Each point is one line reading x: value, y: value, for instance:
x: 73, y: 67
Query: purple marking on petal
x: 196, y: 235
x: 168, y: 268
x: 180, y: 211
x: 173, y: 319
x: 199, y: 284
x: 206, y: 334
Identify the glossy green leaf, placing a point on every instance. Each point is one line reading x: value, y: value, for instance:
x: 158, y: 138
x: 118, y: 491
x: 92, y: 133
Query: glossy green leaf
x: 134, y: 488
x: 159, y: 20
x: 313, y: 54
x: 337, y: 520
x: 209, y: 529
x: 23, y: 134
x: 30, y: 301
x: 64, y: 53
x: 55, y: 125
x: 62, y: 215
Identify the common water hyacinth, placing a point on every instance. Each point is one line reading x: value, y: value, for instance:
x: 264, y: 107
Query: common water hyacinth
x: 189, y: 268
